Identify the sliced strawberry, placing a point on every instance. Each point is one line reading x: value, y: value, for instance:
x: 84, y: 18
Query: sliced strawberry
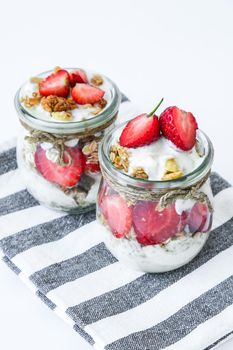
x: 152, y: 226
x: 183, y: 220
x: 65, y: 176
x: 104, y: 190
x: 77, y: 76
x: 85, y: 93
x: 118, y: 214
x: 199, y: 218
x: 179, y: 127
x: 92, y: 167
x: 140, y: 131
x: 56, y: 84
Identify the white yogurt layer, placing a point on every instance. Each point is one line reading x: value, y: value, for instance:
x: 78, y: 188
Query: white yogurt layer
x: 79, y: 114
x: 152, y: 158
x: 45, y: 192
x: 154, y: 258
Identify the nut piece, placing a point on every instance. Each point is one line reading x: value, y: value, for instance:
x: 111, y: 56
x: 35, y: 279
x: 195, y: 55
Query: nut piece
x: 57, y: 104
x: 172, y: 170
x: 119, y: 156
x: 139, y: 173
x: 66, y: 116
x: 172, y: 176
x: 171, y: 165
x: 97, y: 80
x: 87, y: 105
x: 96, y: 111
x: 101, y: 103
x: 56, y: 69
x: 90, y: 150
x: 31, y: 101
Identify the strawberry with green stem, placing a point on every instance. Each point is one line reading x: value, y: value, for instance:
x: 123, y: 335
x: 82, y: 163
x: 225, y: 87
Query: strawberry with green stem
x: 141, y: 130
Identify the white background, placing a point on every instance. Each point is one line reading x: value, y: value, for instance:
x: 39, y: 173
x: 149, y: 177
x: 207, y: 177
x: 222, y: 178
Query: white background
x: 179, y: 50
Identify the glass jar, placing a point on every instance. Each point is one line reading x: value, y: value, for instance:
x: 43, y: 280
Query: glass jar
x: 155, y: 226
x: 66, y: 148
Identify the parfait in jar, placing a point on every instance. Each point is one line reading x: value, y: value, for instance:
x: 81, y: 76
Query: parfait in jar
x: 64, y: 114
x: 155, y: 200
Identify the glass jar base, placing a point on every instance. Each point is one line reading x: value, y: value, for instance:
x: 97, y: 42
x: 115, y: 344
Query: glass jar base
x: 155, y: 258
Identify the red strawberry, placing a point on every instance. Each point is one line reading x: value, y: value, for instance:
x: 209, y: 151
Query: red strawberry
x: 179, y: 127
x: 199, y: 220
x: 85, y: 93
x: 152, y: 226
x: 92, y: 167
x: 65, y: 176
x: 117, y: 213
x: 141, y: 130
x: 55, y: 84
x: 104, y: 190
x: 77, y: 76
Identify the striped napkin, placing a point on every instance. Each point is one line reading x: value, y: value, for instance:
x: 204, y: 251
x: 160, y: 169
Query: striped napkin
x: 63, y: 260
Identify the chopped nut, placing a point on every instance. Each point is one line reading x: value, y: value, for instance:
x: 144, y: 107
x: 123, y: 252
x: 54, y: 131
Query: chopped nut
x: 171, y: 165
x: 172, y: 176
x: 139, y: 173
x: 36, y: 80
x: 96, y: 111
x: 88, y: 105
x: 66, y: 116
x: 31, y: 101
x: 90, y: 150
x: 56, y: 69
x: 57, y: 104
x: 119, y: 156
x: 102, y: 103
x: 112, y: 156
x: 97, y: 80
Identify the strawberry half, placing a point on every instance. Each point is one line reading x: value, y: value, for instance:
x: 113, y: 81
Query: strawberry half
x: 85, y: 93
x: 152, y: 226
x: 199, y: 218
x: 117, y: 213
x: 141, y: 130
x: 92, y: 167
x: 179, y: 127
x: 77, y: 76
x: 65, y: 176
x: 56, y: 84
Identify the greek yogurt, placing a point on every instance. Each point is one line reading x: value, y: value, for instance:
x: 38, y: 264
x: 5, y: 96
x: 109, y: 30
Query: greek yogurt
x: 152, y: 158
x: 82, y: 112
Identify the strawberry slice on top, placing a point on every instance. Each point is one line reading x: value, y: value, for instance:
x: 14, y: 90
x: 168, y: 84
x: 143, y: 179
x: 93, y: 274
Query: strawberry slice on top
x: 86, y: 94
x: 65, y: 176
x: 77, y: 76
x: 117, y: 213
x: 179, y: 127
x: 141, y: 130
x: 56, y: 84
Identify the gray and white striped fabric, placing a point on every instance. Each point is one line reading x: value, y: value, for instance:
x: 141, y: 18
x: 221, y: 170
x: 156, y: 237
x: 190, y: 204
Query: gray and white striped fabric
x: 63, y: 260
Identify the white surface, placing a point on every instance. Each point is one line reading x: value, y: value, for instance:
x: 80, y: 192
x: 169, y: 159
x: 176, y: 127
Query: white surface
x: 176, y: 49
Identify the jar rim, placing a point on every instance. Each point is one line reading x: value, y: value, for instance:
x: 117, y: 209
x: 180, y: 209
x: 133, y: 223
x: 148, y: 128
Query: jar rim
x: 74, y: 126
x: 127, y: 180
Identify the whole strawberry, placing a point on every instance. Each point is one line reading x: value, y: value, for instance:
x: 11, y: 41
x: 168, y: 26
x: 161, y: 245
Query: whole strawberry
x: 179, y: 127
x: 141, y: 130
